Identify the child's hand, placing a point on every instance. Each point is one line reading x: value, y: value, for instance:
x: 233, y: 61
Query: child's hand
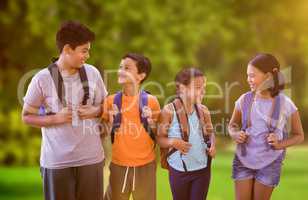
x: 211, y: 151
x: 88, y: 111
x: 147, y: 113
x: 64, y: 116
x: 180, y: 145
x: 241, y: 137
x: 114, y: 111
x: 273, y: 140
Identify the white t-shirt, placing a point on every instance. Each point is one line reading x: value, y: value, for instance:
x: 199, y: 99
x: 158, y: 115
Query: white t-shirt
x: 66, y: 145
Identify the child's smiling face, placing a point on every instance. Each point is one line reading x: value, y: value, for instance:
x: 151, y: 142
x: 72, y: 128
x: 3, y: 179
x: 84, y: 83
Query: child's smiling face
x: 78, y: 56
x: 256, y: 78
x: 128, y: 72
x: 195, y: 89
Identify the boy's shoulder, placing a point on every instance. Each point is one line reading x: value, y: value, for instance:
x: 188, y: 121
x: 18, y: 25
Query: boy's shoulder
x: 42, y: 74
x: 91, y: 70
x: 152, y: 101
x: 109, y: 99
x: 152, y: 98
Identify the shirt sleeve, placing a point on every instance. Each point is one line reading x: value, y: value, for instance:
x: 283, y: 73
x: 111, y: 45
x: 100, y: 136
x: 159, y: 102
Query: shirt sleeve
x: 107, y: 107
x: 155, y: 107
x: 238, y: 103
x: 34, y: 95
x: 100, y: 90
x: 289, y: 107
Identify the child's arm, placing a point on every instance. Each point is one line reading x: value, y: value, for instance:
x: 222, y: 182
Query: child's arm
x: 210, y: 130
x: 297, y: 134
x: 163, y: 127
x: 30, y: 116
x: 105, y: 129
x: 234, y: 128
x: 108, y: 111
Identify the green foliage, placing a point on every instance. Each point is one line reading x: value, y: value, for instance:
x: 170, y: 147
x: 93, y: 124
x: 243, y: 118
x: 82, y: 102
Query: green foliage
x: 20, y: 144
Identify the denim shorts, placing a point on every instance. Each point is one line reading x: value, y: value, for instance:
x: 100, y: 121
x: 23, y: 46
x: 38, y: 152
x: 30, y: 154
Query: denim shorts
x: 268, y: 175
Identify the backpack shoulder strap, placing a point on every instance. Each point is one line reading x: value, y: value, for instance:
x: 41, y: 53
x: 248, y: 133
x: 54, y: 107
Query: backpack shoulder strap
x: 117, y: 118
x: 206, y: 137
x: 182, y: 118
x: 246, y: 109
x: 58, y: 81
x: 143, y: 101
x: 201, y: 116
x: 246, y: 105
x: 275, y: 114
x: 85, y: 84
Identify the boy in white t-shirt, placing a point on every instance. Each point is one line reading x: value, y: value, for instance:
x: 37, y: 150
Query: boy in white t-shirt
x: 65, y: 99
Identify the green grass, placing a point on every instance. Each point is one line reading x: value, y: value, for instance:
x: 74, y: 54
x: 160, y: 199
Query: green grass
x: 25, y: 183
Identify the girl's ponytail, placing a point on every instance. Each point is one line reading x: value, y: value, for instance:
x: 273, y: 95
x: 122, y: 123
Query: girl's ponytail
x: 276, y: 89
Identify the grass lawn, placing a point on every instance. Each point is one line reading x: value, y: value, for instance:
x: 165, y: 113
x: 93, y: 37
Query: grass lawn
x: 19, y: 183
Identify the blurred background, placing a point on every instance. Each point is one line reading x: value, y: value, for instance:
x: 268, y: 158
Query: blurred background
x: 220, y: 37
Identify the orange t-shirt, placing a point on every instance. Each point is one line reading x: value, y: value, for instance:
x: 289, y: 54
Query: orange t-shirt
x: 132, y: 145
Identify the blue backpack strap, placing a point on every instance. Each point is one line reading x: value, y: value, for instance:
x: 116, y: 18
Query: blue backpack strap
x: 143, y: 101
x: 117, y: 118
x: 246, y: 109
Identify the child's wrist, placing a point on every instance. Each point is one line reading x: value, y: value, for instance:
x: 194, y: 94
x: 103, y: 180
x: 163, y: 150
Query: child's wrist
x: 234, y: 134
x: 98, y: 111
x: 172, y: 142
x: 280, y: 145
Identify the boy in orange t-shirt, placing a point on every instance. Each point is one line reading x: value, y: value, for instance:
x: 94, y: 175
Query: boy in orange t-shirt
x: 132, y: 115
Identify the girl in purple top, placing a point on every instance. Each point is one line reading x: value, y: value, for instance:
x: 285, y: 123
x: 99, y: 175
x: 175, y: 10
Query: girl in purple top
x: 259, y: 125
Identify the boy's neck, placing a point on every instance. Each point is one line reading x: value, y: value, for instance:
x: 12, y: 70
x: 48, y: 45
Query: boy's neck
x: 65, y: 68
x: 130, y: 89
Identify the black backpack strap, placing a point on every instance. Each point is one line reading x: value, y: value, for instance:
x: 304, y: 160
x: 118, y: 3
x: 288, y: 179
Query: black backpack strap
x: 85, y: 84
x: 58, y: 81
